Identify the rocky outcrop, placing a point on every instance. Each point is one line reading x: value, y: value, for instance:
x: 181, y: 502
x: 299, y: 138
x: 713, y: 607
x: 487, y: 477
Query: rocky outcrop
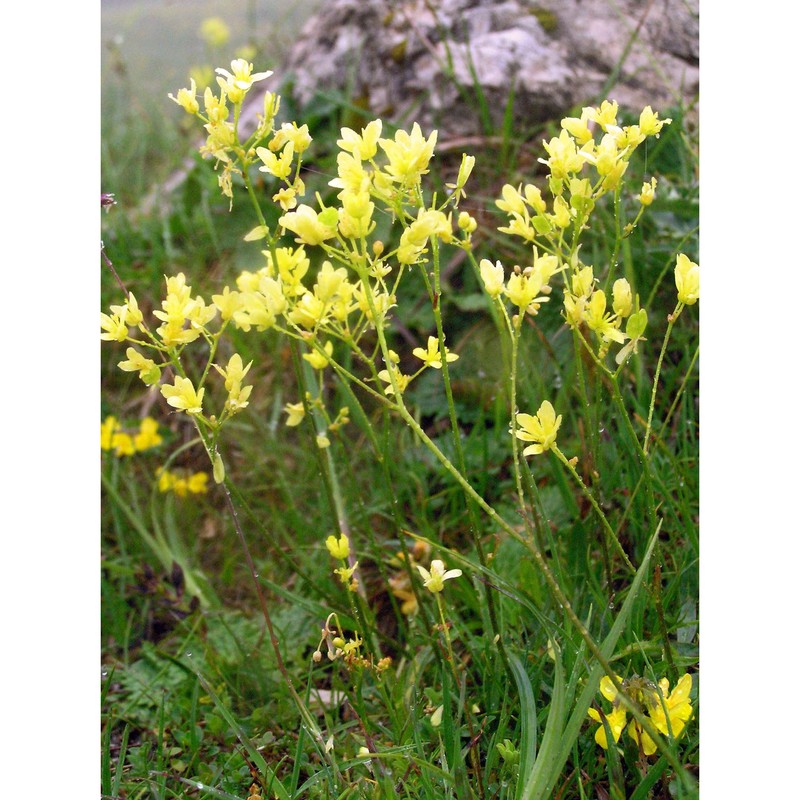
x: 459, y: 65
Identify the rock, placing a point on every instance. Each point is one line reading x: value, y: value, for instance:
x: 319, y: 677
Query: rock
x: 420, y: 60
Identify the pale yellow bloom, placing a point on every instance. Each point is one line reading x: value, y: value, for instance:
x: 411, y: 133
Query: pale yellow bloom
x: 149, y: 371
x: 187, y: 98
x: 492, y: 277
x: 148, y: 435
x: 183, y: 396
x: 317, y: 359
x: 215, y: 32
x: 648, y: 192
x: 295, y: 412
x: 540, y: 429
x: 435, y: 577
x: 622, y: 297
x: 363, y: 146
x: 408, y: 154
x: 687, y: 280
x: 310, y: 227
x: 432, y: 356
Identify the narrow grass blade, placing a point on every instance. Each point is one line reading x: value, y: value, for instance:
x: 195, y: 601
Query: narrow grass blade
x: 537, y: 782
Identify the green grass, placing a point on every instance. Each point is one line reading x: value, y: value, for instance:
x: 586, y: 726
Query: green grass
x: 194, y: 702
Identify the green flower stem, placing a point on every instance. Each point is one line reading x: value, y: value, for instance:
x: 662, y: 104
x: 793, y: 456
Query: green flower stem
x: 456, y: 435
x: 662, y: 624
x: 515, y: 331
x: 644, y: 463
x: 305, y: 714
x: 670, y: 322
x: 587, y: 493
x: 679, y: 393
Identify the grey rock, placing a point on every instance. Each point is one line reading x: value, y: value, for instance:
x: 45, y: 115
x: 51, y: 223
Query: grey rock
x: 418, y: 60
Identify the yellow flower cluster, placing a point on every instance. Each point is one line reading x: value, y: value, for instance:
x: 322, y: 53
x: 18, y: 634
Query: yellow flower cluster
x: 526, y: 288
x: 585, y: 304
x: 669, y: 711
x: 569, y: 153
x: 126, y: 443
x: 182, y: 483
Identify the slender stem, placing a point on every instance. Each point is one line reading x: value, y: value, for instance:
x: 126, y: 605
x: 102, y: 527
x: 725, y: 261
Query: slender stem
x: 670, y: 322
x: 595, y: 505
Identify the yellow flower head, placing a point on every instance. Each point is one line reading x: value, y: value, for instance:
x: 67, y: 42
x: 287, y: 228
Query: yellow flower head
x: 540, y: 429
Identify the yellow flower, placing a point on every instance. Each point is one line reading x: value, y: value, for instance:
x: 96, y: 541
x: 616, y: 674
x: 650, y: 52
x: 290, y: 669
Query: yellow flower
x: 492, y: 277
x: 668, y: 712
x: 123, y: 444
x: 148, y: 435
x: 148, y: 370
x: 215, y: 32
x: 435, y: 578
x: 408, y: 154
x: 616, y: 722
x: 187, y: 98
x: 687, y: 280
x: 182, y: 484
x: 622, y: 298
x: 317, y: 359
x: 650, y: 124
x: 114, y: 326
x: 296, y: 412
x: 237, y: 83
x: 432, y: 357
x: 363, y: 146
x: 182, y: 395
x: 671, y: 715
x: 541, y: 429
x: 648, y: 192
x: 338, y: 548
x: 310, y: 227
x: 107, y: 429
x: 197, y: 483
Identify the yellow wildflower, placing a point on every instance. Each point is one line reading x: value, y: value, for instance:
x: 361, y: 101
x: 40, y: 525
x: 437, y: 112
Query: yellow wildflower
x: 435, y: 577
x: 148, y: 435
x: 183, y: 396
x: 432, y: 356
x: 687, y: 280
x: 338, y: 548
x: 540, y: 429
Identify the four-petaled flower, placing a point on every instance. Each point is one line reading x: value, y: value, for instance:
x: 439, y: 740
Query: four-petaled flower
x: 432, y: 356
x: 435, y: 578
x: 541, y: 429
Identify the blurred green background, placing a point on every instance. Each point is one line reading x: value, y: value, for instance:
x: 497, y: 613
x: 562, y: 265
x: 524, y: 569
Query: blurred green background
x: 151, y: 43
